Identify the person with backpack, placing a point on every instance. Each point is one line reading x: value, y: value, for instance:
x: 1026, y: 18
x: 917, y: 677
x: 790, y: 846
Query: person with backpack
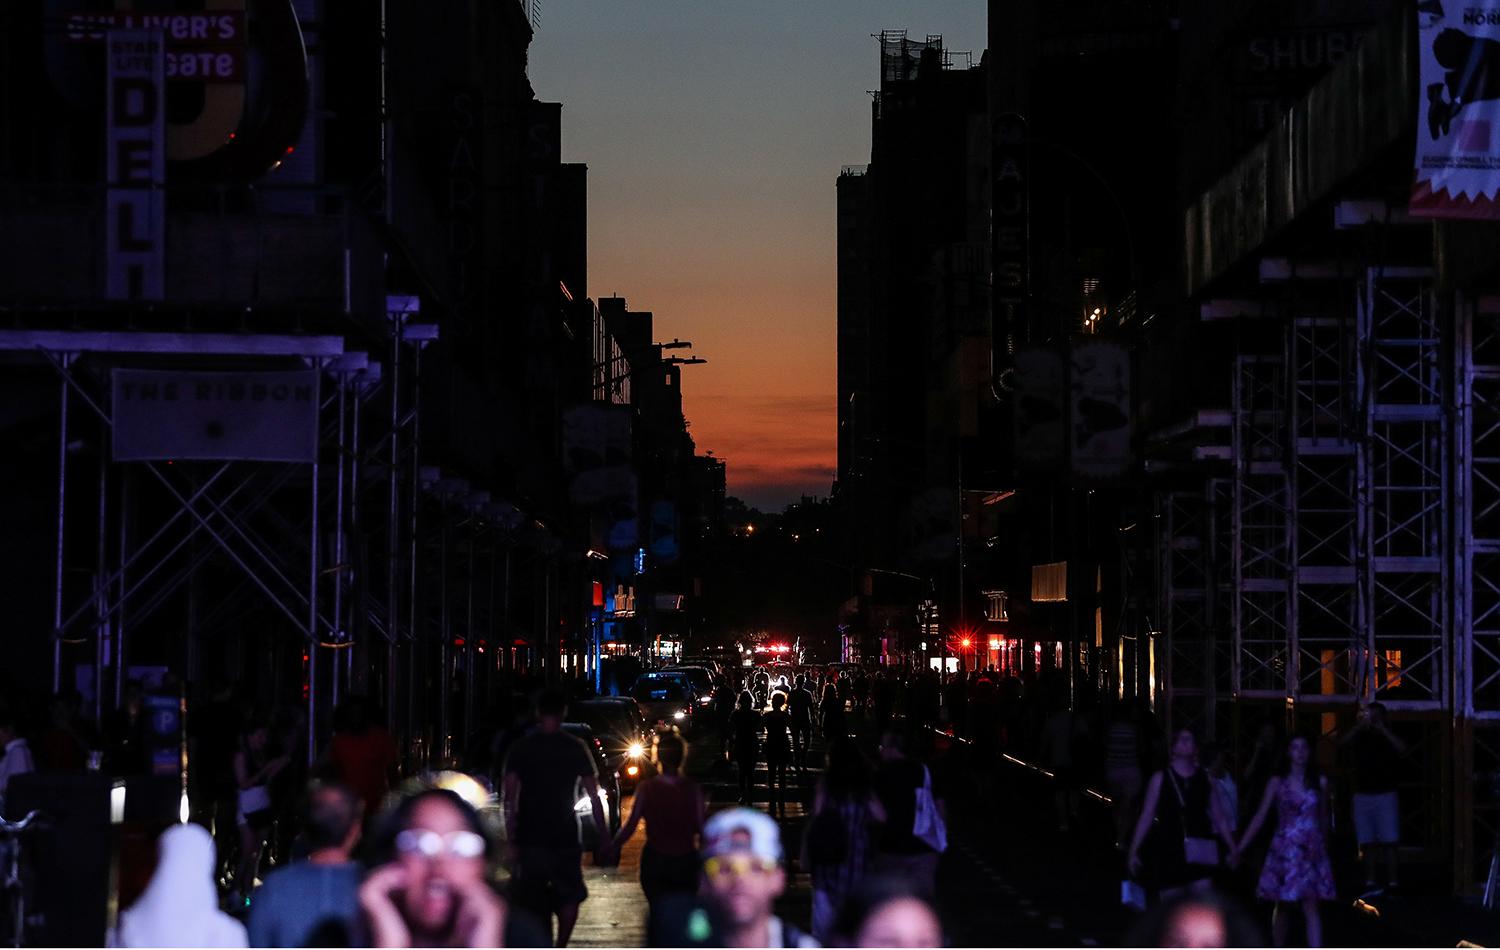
x: 837, y: 845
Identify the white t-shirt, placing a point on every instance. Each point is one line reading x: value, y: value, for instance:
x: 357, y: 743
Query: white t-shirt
x: 17, y: 761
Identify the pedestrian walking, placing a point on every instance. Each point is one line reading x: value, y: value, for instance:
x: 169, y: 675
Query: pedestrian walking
x: 545, y: 773
x: 672, y: 806
x: 315, y: 902
x: 431, y: 886
x: 180, y: 905
x: 1377, y: 816
x: 1062, y: 735
x: 831, y: 705
x: 904, y: 785
x: 62, y: 747
x: 743, y: 877
x: 1226, y: 789
x: 778, y: 751
x: 723, y: 709
x: 1123, y: 776
x: 837, y: 843
x: 362, y: 755
x: 1180, y: 803
x: 255, y: 768
x: 1297, y: 868
x: 883, y: 700
x: 745, y: 724
x: 800, y: 705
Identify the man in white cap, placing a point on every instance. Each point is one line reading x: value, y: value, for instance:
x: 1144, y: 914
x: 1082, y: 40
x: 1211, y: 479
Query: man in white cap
x: 743, y: 876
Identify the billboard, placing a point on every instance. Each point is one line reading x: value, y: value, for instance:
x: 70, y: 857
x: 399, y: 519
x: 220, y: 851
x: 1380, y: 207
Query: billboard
x: 232, y: 416
x: 1457, y: 165
x: 1041, y: 418
x: 1099, y: 400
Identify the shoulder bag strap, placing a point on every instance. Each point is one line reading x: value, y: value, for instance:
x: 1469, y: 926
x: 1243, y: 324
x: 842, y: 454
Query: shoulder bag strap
x: 1181, y: 801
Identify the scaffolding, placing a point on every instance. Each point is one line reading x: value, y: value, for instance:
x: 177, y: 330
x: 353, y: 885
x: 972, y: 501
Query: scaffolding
x: 1361, y: 510
x: 395, y: 577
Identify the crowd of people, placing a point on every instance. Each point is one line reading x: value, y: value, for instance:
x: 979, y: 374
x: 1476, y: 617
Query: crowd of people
x: 423, y: 869
x: 358, y: 859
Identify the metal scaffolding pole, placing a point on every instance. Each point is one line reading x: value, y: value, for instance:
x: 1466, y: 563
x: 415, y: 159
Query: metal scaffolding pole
x: 65, y: 361
x: 393, y: 526
x: 313, y: 570
x: 337, y: 571
x: 102, y: 639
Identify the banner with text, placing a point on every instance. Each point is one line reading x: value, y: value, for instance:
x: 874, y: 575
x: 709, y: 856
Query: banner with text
x: 1457, y: 165
x: 240, y: 416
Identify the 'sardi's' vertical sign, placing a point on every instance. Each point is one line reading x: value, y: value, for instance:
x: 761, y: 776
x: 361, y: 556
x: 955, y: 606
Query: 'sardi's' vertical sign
x: 135, y: 165
x: 1011, y: 235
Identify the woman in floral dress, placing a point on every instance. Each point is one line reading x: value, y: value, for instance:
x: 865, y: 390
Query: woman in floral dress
x: 1297, y: 868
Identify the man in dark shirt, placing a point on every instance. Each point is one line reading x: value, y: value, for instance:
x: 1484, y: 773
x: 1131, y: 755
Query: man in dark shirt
x: 545, y: 774
x: 901, y: 855
x: 1377, y: 819
x: 800, y: 703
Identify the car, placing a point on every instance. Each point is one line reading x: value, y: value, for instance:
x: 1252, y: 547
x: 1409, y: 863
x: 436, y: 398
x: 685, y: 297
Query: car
x: 665, y: 698
x: 714, y: 665
x: 609, y: 789
x: 622, y: 731
x: 701, y: 678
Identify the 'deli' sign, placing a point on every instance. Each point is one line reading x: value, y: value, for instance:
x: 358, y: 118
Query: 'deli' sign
x: 231, y: 416
x: 135, y: 165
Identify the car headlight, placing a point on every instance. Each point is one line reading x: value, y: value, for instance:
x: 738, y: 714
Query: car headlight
x: 705, y: 700
x: 636, y: 750
x: 680, y: 714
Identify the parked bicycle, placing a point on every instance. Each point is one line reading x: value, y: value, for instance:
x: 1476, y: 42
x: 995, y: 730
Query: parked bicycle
x: 15, y: 880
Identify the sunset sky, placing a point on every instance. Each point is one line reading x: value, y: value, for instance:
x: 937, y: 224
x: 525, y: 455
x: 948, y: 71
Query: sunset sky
x: 714, y: 131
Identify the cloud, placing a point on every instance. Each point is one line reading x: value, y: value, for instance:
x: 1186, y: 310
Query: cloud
x: 771, y: 405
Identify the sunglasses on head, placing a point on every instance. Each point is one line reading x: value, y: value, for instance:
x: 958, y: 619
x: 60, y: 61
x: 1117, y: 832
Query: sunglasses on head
x: 430, y: 844
x: 737, y: 865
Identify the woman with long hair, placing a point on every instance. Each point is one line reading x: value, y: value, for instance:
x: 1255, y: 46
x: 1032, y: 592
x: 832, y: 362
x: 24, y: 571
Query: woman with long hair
x: 1297, y: 868
x: 432, y: 885
x: 254, y: 770
x: 673, y: 807
x: 778, y: 724
x: 1191, y: 816
x: 837, y: 842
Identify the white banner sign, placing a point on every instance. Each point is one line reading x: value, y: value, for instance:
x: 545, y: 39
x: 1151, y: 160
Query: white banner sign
x: 264, y: 417
x: 1458, y: 132
x: 135, y: 165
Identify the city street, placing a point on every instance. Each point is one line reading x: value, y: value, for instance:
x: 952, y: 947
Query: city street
x: 1082, y: 418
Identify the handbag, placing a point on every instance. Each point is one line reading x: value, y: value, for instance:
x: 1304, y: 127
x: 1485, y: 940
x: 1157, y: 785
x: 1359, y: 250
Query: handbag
x: 1200, y: 851
x: 927, y: 824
